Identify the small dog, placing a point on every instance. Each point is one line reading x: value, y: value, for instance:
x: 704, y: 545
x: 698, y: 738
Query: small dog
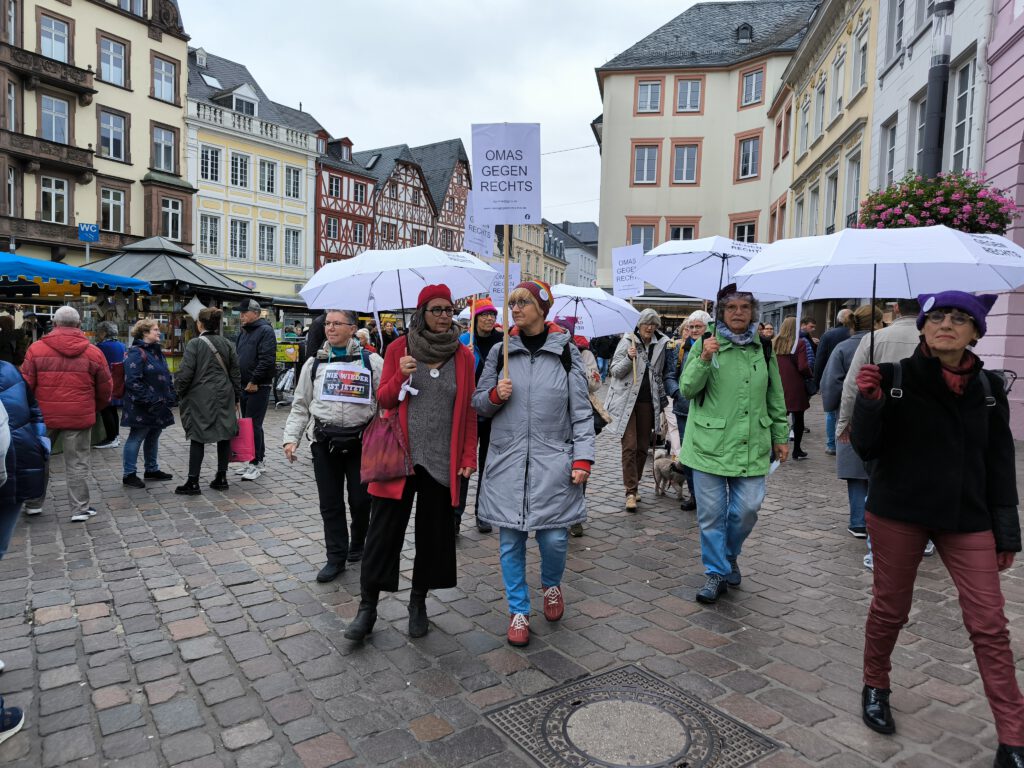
x: 664, y: 476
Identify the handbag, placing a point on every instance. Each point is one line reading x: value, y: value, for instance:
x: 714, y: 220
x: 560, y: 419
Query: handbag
x: 385, y: 452
x: 117, y: 374
x: 243, y: 444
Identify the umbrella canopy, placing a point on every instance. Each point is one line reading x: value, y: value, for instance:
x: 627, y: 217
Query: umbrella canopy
x: 597, y: 312
x: 697, y: 267
x: 26, y: 269
x: 894, y: 263
x: 376, y: 280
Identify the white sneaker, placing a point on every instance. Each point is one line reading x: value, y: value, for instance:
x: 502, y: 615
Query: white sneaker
x: 869, y: 561
x: 252, y: 472
x: 115, y: 443
x: 929, y: 548
x: 81, y: 517
x: 241, y: 469
x: 32, y: 510
x: 261, y: 466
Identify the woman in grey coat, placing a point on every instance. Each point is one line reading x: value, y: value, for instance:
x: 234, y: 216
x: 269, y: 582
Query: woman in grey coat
x: 636, y: 397
x: 849, y: 466
x: 542, y: 449
x: 209, y: 388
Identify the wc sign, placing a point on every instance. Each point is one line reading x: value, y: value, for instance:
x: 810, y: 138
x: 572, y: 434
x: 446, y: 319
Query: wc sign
x: 89, y: 233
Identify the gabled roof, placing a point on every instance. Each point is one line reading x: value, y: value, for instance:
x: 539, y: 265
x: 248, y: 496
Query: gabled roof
x: 567, y: 239
x: 583, y: 231
x: 438, y: 163
x: 333, y: 159
x: 705, y: 35
x: 231, y: 76
x: 385, y: 162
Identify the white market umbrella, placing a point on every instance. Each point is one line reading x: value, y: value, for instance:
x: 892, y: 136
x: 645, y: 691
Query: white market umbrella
x: 377, y: 279
x: 698, y: 268
x: 597, y: 312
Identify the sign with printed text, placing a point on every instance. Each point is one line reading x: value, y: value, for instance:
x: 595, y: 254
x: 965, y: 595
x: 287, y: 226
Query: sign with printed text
x: 625, y: 261
x: 506, y: 167
x: 89, y: 233
x: 479, y: 237
x: 347, y: 383
x: 515, y: 272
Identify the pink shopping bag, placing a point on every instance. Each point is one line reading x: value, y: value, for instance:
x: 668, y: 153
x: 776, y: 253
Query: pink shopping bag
x: 243, y: 445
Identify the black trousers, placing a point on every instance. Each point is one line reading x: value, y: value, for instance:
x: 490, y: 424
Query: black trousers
x: 434, y: 563
x: 196, y: 452
x: 333, y: 470
x: 798, y: 429
x: 110, y: 422
x: 483, y: 433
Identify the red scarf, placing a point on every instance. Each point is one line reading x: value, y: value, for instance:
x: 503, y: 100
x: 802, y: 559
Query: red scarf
x: 956, y: 377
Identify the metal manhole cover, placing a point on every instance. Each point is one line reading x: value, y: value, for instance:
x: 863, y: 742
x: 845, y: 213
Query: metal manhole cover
x: 627, y: 717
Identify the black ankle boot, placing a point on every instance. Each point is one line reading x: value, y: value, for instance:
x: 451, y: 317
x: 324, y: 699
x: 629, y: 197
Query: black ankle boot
x: 220, y: 481
x: 876, y: 711
x: 362, y: 624
x: 418, y: 624
x: 190, y: 488
x: 1009, y: 757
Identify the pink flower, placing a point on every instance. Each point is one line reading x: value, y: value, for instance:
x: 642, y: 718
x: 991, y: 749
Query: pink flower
x: 943, y: 210
x: 912, y: 219
x: 930, y: 222
x: 879, y: 225
x: 967, y: 208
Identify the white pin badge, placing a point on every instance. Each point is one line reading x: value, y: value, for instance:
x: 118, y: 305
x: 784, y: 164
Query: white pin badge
x: 928, y: 304
x: 434, y: 373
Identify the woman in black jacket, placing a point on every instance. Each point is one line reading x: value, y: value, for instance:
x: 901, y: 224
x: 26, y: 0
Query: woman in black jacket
x: 936, y: 429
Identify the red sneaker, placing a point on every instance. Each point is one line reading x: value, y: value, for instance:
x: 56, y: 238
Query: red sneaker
x: 519, y: 630
x: 554, y: 603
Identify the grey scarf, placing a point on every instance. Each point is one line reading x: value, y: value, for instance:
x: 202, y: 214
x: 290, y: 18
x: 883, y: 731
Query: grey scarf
x: 739, y: 339
x: 427, y: 346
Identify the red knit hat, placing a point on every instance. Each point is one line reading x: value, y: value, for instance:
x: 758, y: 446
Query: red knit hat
x: 541, y: 292
x: 434, y: 292
x: 484, y: 305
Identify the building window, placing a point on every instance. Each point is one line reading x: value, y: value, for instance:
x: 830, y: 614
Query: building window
x: 359, y: 233
x: 132, y: 6
x: 12, y: 22
x: 334, y: 186
x: 112, y: 209
x: 419, y: 237
x: 778, y: 141
x: 245, y: 106
x: 346, y: 152
x: 163, y: 149
x: 12, y: 106
x: 55, y: 119
x: 12, y: 189
x: 163, y: 80
x: 416, y: 197
x: 170, y: 218
x: 112, y: 136
x: 292, y: 182
x: 267, y: 236
x: 812, y: 211
x: 744, y: 231
x: 642, y: 234
x: 805, y: 125
x: 393, y: 190
x: 54, y: 194
x: 239, y: 170
x: 447, y: 240
x: 332, y: 228
x: 292, y: 247
x: 920, y: 109
x: 781, y: 233
x: 645, y: 164
x: 894, y: 42
x: 209, y: 235
x: 852, y: 188
x: 112, y: 61
x: 831, y: 200
x: 838, y: 83
x: 889, y: 153
x: 389, y: 233
x: 963, y: 118
x: 54, y: 38
x: 209, y: 163
x: 860, y: 62
x: 239, y: 239
x: 798, y: 220
x: 924, y: 10
x: 750, y: 158
x: 648, y: 96
x: 682, y: 232
x: 684, y: 164
x: 688, y: 95
x: 359, y: 192
x: 268, y: 177
x: 819, y: 110
x: 753, y: 87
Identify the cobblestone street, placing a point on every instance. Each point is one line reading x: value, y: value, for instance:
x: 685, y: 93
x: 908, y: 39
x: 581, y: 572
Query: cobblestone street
x: 178, y: 631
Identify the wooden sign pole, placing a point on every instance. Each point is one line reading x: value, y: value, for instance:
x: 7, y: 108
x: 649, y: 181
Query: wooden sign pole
x: 507, y: 249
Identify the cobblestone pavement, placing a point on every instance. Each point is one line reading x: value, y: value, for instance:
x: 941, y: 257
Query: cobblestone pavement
x: 183, y: 631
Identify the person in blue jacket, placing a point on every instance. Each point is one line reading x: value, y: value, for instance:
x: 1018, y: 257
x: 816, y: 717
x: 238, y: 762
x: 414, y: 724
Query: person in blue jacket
x: 113, y: 350
x: 148, y: 399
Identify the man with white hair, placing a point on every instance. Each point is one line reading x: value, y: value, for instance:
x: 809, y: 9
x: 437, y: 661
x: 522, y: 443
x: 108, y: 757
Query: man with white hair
x: 72, y: 383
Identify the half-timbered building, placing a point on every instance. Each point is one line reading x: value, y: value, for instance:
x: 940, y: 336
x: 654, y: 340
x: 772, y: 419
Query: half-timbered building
x: 446, y: 167
x: 344, y: 204
x: 404, y: 213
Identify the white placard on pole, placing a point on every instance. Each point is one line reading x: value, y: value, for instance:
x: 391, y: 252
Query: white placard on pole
x: 625, y: 261
x: 506, y: 167
x: 515, y: 272
x: 479, y: 236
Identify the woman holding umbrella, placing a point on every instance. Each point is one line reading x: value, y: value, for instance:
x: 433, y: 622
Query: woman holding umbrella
x: 936, y: 427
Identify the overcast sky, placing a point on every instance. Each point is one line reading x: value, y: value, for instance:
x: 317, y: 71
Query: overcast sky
x: 405, y: 71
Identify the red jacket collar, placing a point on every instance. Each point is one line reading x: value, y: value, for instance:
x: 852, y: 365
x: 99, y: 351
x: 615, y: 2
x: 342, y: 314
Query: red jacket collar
x: 551, y: 327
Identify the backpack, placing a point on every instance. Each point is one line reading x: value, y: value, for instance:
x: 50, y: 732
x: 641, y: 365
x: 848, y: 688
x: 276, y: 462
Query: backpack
x: 896, y: 390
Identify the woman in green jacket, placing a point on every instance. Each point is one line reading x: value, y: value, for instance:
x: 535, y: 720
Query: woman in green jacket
x: 737, y: 416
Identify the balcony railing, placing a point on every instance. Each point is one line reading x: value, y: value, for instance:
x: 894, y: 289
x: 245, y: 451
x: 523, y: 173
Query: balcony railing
x: 36, y: 70
x: 851, y: 219
x: 39, y: 153
x: 60, y: 236
x: 253, y: 126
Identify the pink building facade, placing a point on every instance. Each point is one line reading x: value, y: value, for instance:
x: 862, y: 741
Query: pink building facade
x: 1003, y: 346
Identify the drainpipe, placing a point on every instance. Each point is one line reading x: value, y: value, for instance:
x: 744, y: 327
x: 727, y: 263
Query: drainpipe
x: 938, y: 87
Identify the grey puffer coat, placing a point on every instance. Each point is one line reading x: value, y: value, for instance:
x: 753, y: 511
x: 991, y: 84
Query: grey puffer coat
x: 206, y: 394
x: 536, y: 436
x: 623, y: 390
x: 849, y: 466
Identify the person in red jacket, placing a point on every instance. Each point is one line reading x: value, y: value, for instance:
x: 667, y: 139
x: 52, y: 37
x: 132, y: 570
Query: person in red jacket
x: 429, y: 376
x: 71, y: 381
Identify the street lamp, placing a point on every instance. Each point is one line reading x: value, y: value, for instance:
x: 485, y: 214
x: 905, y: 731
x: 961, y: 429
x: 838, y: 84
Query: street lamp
x: 938, y: 85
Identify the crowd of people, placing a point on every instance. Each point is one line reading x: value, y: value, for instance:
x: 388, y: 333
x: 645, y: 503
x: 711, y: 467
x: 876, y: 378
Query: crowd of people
x: 395, y: 421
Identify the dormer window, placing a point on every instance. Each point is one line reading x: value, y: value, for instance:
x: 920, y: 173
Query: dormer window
x: 321, y: 146
x: 346, y: 153
x: 245, y: 106
x: 200, y: 58
x: 744, y: 33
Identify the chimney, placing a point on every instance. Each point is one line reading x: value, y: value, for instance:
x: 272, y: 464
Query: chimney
x: 565, y: 227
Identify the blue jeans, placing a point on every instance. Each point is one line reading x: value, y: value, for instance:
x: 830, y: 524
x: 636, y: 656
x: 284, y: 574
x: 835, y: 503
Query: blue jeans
x: 602, y: 367
x: 831, y: 417
x: 149, y: 439
x: 553, y: 543
x: 726, y: 511
x: 857, y: 490
x: 8, y: 519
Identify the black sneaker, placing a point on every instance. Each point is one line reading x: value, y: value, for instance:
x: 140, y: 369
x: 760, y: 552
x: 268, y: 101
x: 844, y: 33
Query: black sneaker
x: 482, y: 526
x: 735, y: 577
x: 330, y: 572
x: 713, y: 589
x: 157, y: 475
x: 1009, y: 757
x: 355, y: 554
x: 133, y: 481
x: 11, y: 721
x: 688, y: 505
x: 858, y: 531
x: 799, y: 455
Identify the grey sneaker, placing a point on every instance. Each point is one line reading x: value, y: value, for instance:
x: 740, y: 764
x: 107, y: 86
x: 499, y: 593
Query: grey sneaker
x: 735, y: 577
x: 713, y: 588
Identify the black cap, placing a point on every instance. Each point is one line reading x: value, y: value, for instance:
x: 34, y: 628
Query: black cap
x: 248, y: 305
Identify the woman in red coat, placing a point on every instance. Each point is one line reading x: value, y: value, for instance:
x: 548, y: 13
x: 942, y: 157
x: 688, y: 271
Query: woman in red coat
x: 794, y: 369
x: 429, y: 377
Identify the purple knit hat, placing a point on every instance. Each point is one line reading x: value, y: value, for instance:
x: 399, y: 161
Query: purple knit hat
x: 977, y: 307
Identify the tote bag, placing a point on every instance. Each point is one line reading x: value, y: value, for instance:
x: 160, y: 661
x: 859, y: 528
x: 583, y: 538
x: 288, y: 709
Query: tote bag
x: 385, y: 453
x: 243, y: 445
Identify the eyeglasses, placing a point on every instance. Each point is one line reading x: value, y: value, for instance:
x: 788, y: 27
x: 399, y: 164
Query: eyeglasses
x: 956, y: 316
x: 736, y: 309
x: 438, y: 311
x: 337, y: 324
x: 520, y: 303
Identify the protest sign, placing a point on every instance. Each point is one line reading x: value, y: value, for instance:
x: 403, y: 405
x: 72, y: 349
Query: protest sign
x: 479, y: 237
x: 515, y: 272
x: 506, y: 167
x: 347, y: 383
x: 625, y: 281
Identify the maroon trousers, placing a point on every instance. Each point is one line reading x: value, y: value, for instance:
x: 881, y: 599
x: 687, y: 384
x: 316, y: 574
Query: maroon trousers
x: 970, y: 559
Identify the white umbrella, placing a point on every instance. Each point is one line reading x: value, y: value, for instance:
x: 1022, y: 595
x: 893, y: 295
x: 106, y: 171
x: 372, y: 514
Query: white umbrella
x: 376, y: 280
x: 698, y: 267
x: 597, y: 312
